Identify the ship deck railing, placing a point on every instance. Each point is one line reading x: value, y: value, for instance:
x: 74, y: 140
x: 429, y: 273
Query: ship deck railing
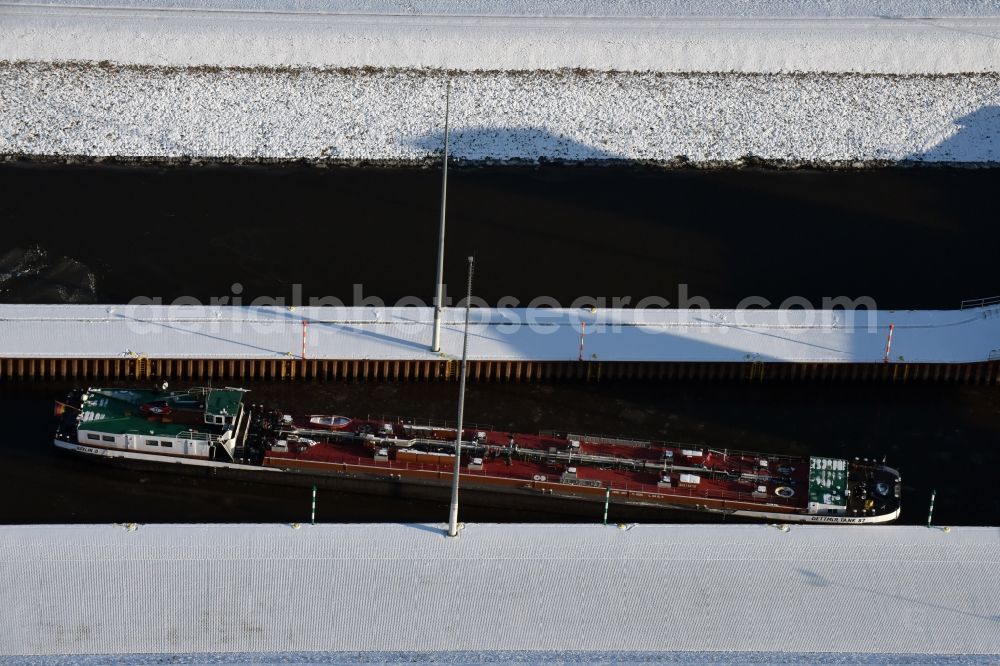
x: 615, y: 486
x: 979, y: 302
x: 670, y: 444
x: 199, y: 436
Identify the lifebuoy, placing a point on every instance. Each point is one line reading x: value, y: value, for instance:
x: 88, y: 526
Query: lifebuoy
x: 784, y: 491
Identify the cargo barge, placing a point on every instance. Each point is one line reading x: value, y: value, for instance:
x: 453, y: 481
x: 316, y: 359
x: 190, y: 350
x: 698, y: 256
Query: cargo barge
x: 219, y: 430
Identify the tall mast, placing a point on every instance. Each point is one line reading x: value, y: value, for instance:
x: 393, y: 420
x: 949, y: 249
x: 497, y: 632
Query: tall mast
x: 453, y: 514
x: 436, y: 343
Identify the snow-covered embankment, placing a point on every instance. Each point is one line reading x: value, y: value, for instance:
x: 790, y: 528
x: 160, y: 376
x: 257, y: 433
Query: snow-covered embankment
x: 673, y: 82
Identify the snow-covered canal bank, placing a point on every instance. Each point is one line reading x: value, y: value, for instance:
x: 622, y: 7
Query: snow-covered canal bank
x: 672, y: 82
x: 872, y: 36
x: 396, y: 116
x: 742, y: 594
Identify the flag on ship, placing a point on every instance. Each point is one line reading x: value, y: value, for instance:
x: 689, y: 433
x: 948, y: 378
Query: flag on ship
x: 61, y: 408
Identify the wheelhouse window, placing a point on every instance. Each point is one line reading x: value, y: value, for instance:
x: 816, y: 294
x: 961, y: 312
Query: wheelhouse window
x: 93, y: 436
x: 107, y: 438
x: 166, y: 444
x: 152, y: 442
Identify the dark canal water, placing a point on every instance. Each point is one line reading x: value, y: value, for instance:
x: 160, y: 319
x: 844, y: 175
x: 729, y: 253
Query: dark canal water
x: 912, y: 238
x: 908, y: 238
x: 940, y: 437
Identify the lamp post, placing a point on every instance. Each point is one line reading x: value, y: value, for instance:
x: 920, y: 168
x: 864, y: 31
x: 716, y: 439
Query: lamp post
x: 453, y: 513
x: 439, y: 297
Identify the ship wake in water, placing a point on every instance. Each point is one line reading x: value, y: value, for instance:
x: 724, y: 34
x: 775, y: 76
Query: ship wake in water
x: 31, y: 275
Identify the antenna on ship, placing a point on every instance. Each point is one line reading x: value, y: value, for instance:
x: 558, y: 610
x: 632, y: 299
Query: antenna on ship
x: 453, y: 515
x: 436, y: 342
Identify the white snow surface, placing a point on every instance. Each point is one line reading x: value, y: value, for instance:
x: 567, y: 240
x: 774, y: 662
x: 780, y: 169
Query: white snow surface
x: 396, y: 116
x: 93, y: 589
x: 564, y: 8
x: 369, y: 333
x: 876, y: 36
x: 659, y: 81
